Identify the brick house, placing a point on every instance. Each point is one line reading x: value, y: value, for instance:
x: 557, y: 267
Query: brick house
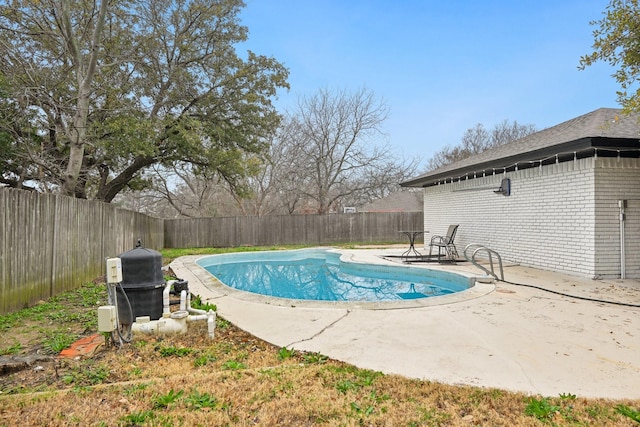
x: 565, y: 199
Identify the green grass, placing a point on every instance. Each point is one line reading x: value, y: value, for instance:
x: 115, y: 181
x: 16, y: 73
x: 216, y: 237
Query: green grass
x: 285, y: 353
x: 163, y: 401
x: 197, y: 400
x: 90, y: 373
x: 136, y: 389
x: 12, y: 349
x: 541, y: 409
x: 233, y: 365
x: 629, y: 412
x: 137, y: 418
x: 196, y: 302
x: 204, y: 359
x: 58, y: 340
x: 54, y: 324
x: 314, y: 358
x: 174, y: 351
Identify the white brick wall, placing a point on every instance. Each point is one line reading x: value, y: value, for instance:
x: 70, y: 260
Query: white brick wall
x: 617, y: 179
x: 561, y: 217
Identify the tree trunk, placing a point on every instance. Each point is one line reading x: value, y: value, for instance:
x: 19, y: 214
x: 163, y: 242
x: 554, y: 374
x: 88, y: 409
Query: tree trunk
x: 78, y: 131
x: 108, y: 191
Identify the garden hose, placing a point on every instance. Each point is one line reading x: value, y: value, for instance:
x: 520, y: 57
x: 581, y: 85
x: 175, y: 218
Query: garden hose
x: 572, y: 296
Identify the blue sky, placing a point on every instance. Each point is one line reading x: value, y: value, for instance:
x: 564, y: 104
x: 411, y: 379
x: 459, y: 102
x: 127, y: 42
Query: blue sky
x: 440, y: 66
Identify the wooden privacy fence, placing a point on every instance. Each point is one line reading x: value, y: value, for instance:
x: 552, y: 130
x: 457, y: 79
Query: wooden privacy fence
x: 51, y: 244
x: 366, y: 227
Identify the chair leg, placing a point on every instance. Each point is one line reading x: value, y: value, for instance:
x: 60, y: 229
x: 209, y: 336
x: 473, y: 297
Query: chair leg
x: 454, y: 252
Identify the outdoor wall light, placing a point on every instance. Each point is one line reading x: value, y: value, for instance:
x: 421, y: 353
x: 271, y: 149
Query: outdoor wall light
x: 505, y: 187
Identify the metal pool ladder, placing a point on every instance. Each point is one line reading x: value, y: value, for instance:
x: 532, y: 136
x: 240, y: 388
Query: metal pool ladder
x: 476, y: 248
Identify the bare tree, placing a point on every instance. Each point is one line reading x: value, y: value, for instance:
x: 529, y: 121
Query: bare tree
x: 257, y: 199
x: 177, y: 192
x: 384, y: 181
x: 298, y: 161
x: 334, y: 141
x: 190, y: 195
x: 478, y: 139
x: 505, y: 132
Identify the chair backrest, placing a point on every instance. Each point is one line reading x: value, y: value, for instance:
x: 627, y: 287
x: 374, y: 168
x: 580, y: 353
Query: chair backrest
x: 451, y: 233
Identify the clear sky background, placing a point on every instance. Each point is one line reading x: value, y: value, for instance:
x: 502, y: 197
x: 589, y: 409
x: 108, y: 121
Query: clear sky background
x: 440, y: 66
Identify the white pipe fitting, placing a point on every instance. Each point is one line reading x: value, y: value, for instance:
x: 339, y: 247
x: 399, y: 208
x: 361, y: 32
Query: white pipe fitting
x: 210, y: 317
x: 166, y: 304
x: 211, y: 325
x: 176, y: 322
x: 144, y: 325
x: 183, y: 300
x: 191, y: 309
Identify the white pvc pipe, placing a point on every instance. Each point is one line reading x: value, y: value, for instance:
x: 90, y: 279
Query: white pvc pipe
x: 210, y: 317
x: 166, y: 305
x: 175, y: 323
x: 623, y: 257
x: 211, y: 325
x: 191, y: 309
x: 183, y: 300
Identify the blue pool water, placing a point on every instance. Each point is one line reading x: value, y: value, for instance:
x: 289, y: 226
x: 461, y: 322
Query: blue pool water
x: 318, y: 274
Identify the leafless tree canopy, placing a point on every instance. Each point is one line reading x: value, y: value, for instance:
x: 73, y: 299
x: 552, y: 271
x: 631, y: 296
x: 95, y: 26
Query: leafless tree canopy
x: 478, y: 139
x: 336, y: 136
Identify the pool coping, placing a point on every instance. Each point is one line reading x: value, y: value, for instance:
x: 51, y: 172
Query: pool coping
x: 219, y: 289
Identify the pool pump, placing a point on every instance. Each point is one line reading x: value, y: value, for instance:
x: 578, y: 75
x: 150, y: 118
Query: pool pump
x: 139, y: 299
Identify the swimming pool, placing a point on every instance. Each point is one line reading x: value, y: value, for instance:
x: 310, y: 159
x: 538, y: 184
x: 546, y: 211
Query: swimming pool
x: 321, y: 275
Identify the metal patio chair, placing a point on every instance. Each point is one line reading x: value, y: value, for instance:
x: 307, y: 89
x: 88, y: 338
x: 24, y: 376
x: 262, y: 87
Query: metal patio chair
x: 445, y: 243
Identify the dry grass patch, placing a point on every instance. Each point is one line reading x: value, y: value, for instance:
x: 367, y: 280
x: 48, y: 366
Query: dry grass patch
x: 237, y: 379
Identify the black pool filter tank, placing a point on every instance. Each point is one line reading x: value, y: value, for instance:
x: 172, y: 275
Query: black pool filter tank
x: 143, y: 284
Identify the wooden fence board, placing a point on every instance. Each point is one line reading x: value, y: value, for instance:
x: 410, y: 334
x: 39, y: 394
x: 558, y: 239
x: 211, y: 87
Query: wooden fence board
x: 289, y: 229
x: 50, y: 244
x: 4, y: 246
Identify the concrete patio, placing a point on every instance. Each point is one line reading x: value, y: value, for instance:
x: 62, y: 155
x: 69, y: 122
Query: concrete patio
x: 498, y: 335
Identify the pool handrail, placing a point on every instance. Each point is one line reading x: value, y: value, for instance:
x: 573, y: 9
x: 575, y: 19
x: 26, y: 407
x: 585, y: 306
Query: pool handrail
x: 490, y: 252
